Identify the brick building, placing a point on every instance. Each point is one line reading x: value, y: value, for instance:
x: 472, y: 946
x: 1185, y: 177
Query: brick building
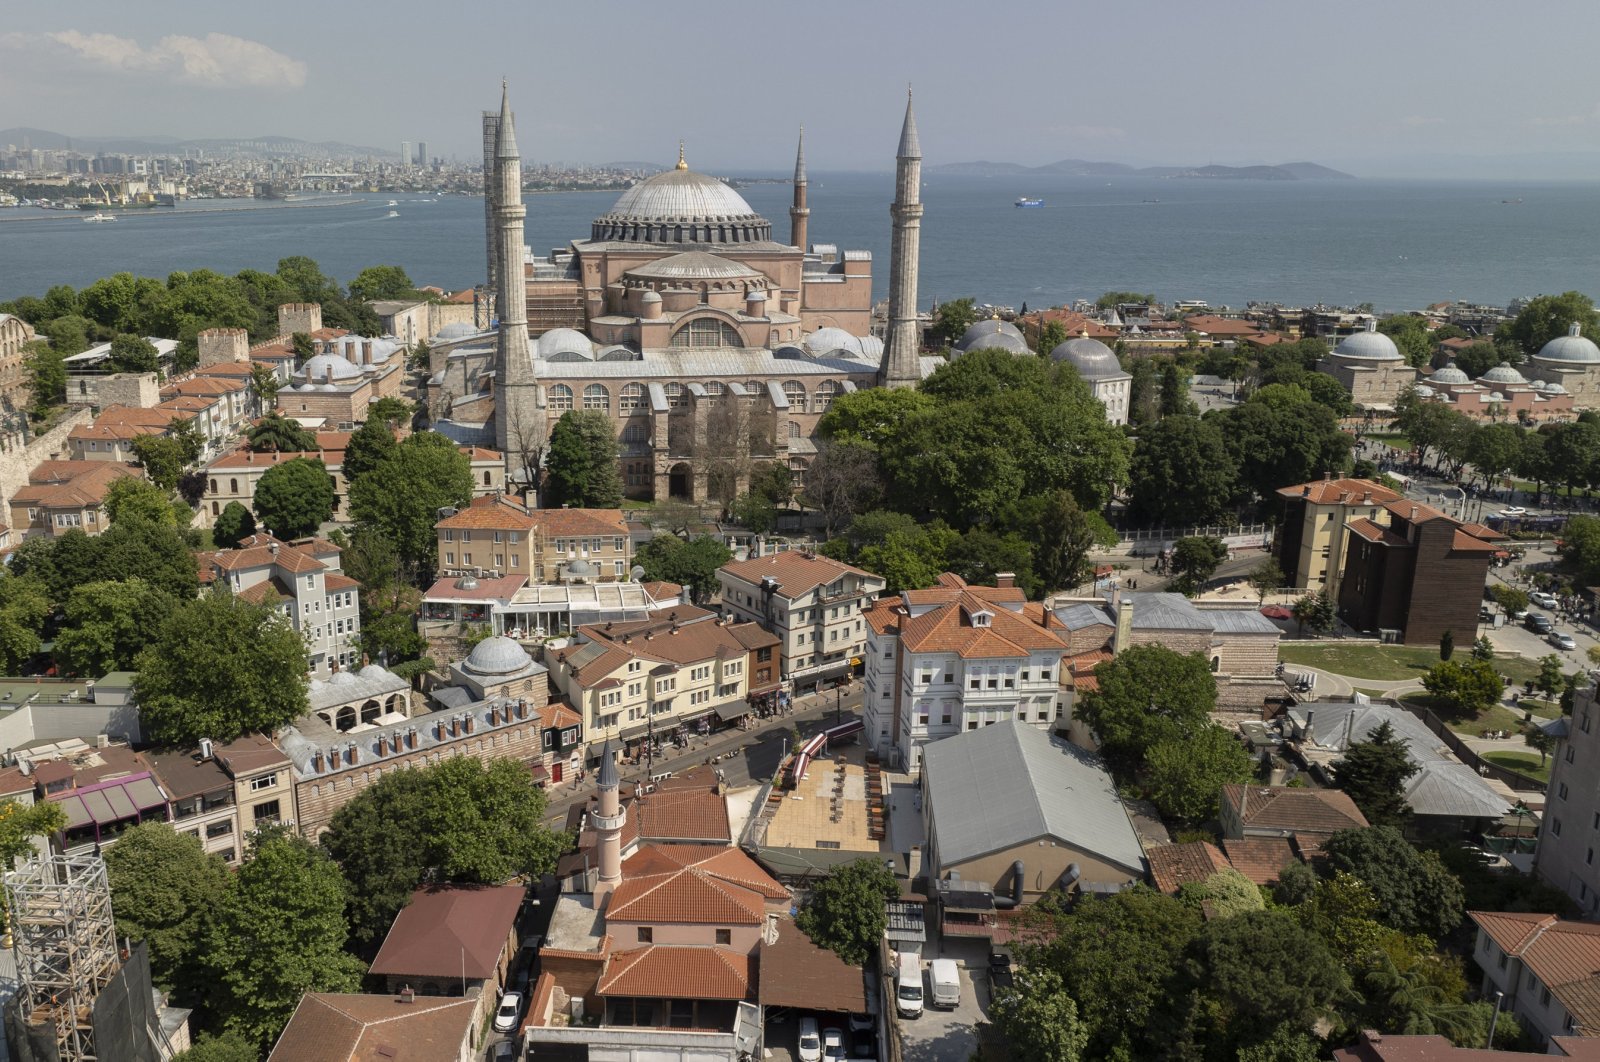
x: 1313, y: 533
x: 15, y: 334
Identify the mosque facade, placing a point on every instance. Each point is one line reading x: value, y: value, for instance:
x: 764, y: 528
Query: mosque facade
x: 712, y: 346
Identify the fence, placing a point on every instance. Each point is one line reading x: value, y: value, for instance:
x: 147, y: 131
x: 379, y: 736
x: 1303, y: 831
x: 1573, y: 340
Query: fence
x: 1160, y: 537
x: 1520, y: 783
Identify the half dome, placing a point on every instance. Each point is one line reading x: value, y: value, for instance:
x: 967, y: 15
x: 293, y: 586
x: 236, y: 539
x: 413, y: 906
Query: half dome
x: 564, y: 344
x: 692, y: 265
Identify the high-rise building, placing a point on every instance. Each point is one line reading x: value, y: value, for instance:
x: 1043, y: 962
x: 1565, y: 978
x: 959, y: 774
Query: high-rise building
x: 422, y: 153
x: 405, y: 153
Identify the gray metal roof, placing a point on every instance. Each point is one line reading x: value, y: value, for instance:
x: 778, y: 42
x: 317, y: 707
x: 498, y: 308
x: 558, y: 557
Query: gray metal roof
x: 1240, y: 621
x: 1167, y: 612
x: 346, y: 686
x: 695, y: 264
x: 1009, y: 784
x: 679, y: 365
x: 1077, y: 617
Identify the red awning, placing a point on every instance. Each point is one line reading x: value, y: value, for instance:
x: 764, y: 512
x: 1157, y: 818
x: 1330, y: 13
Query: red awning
x: 1278, y: 612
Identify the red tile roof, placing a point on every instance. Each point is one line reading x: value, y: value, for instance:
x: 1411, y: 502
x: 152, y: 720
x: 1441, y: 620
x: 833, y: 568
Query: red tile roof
x: 796, y: 572
x: 797, y: 973
x: 665, y: 971
x: 693, y: 884
x: 1564, y: 955
x: 256, y: 551
x: 357, y: 1027
x: 1172, y: 865
x: 1347, y: 491
x: 568, y: 523
x: 1376, y: 532
x: 1261, y: 859
x: 450, y: 931
x: 1292, y: 810
x: 952, y: 624
x: 1212, y: 325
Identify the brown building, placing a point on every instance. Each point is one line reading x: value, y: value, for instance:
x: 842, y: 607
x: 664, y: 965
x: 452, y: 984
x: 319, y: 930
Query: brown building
x: 353, y: 1027
x: 62, y: 495
x: 1314, y: 531
x: 499, y: 535
x: 1308, y: 816
x: 452, y: 940
x: 221, y: 794
x: 1422, y: 574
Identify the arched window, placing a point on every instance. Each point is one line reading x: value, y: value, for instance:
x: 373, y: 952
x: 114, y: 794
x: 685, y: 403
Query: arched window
x: 595, y: 396
x: 827, y: 390
x: 233, y: 486
x: 676, y: 395
x: 632, y: 398
x: 794, y: 430
x: 707, y: 332
x: 715, y: 388
x: 755, y: 387
x: 795, y: 392
x: 560, y: 397
x: 634, y: 433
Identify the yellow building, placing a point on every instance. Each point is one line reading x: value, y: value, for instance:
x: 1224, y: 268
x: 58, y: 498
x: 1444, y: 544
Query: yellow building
x: 1313, y: 536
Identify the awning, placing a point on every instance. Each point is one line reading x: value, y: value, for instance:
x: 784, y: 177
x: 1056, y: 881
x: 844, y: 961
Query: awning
x: 632, y: 732
x: 732, y: 710
x: 77, y: 813
x: 537, y: 770
x: 831, y: 671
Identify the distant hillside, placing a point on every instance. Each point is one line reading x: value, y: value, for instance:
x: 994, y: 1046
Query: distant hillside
x: 1289, y: 171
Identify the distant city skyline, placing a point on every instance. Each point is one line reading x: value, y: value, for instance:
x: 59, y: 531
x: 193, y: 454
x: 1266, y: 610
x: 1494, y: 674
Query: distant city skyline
x: 1389, y: 89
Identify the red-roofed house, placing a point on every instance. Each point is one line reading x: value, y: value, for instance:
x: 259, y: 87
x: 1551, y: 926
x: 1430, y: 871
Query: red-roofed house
x: 1310, y: 544
x: 63, y: 495
x: 234, y: 476
x: 305, y: 581
x: 452, y: 939
x: 1548, y: 968
x: 499, y: 535
x: 355, y: 1027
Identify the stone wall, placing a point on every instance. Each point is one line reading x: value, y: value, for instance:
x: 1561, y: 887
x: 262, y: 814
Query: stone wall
x: 16, y: 460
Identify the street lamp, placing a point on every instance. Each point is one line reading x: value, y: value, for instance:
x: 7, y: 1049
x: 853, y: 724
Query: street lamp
x: 1494, y: 1019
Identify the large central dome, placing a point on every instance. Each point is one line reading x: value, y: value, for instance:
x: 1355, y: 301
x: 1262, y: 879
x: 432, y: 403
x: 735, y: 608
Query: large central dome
x: 681, y: 207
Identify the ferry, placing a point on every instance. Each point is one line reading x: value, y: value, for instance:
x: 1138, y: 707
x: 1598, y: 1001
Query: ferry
x: 101, y: 217
x: 1026, y: 202
x: 394, y: 213
x: 394, y: 202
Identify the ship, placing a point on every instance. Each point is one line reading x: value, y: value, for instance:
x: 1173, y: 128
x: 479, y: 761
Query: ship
x: 394, y: 213
x: 101, y: 217
x: 1026, y: 202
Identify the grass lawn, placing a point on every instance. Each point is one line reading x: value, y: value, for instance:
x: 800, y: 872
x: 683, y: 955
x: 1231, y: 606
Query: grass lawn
x: 1495, y: 717
x: 1522, y: 762
x: 1388, y: 663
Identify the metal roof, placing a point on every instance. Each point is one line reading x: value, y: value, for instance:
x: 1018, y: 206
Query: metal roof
x: 1009, y: 784
x: 1239, y: 621
x: 1167, y: 612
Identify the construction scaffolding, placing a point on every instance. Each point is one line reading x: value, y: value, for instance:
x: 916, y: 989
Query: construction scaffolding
x: 66, y: 950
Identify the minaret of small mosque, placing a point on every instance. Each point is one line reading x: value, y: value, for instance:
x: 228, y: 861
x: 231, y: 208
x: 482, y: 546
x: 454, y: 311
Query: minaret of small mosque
x: 799, y: 214
x: 607, y: 823
x: 514, y: 378
x: 902, y: 364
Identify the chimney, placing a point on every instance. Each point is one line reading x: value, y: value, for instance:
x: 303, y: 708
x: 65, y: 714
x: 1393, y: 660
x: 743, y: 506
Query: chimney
x: 383, y: 745
x: 454, y: 723
x: 316, y: 761
x: 1310, y: 736
x: 1327, y: 476
x: 1005, y: 580
x: 1124, y: 631
x: 466, y: 723
x: 407, y: 995
x: 352, y: 754
x: 411, y: 738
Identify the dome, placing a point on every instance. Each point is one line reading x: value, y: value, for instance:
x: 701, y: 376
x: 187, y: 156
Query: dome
x: 1368, y: 345
x: 1092, y: 358
x: 1449, y: 375
x: 872, y: 348
x: 992, y: 333
x: 693, y: 265
x: 825, y: 341
x: 321, y: 365
x: 650, y: 296
x: 1572, y: 347
x: 373, y: 671
x: 1504, y: 374
x: 579, y: 569
x: 564, y: 344
x: 1554, y: 389
x: 341, y: 678
x: 681, y: 206
x: 455, y: 330
x: 497, y: 656
x: 1424, y: 391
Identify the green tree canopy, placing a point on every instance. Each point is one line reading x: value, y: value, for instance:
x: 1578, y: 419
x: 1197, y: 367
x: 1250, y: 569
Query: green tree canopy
x: 1410, y: 333
x: 952, y: 318
x: 1185, y: 775
x: 234, y: 524
x: 278, y: 934
x: 871, y: 416
x: 581, y: 463
x: 691, y: 563
x: 395, y: 412
x: 843, y: 481
x: 133, y: 354
x: 1223, y: 894
x: 1374, y: 774
x: 1544, y: 318
x: 1195, y: 558
x: 456, y: 821
x: 1315, y: 611
x: 294, y: 498
x: 24, y: 607
x: 1112, y: 299
x: 368, y: 446
x: 1463, y: 686
x: 1182, y: 473
x: 219, y: 667
x: 106, y: 624
x: 228, y: 1047
x: 164, y: 887
x: 1062, y: 534
x: 1477, y: 359
x: 45, y: 369
x: 382, y: 282
x: 1146, y: 695
x: 1413, y: 890
x: 131, y: 499
x: 1040, y: 1020
x: 845, y: 911
x: 401, y: 498
x: 276, y: 433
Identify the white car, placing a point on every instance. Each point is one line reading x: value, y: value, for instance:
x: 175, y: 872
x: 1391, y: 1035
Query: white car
x: 1542, y: 599
x: 1512, y: 510
x: 832, y: 1045
x: 810, y: 1042
x: 505, y: 1019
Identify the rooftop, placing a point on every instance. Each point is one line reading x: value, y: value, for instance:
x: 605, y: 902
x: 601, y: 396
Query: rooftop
x: 1564, y: 955
x: 356, y: 1027
x: 1292, y: 810
x: 450, y: 930
x: 794, y: 573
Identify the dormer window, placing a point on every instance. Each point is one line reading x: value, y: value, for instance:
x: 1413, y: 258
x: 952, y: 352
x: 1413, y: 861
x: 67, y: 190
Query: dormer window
x: 981, y: 618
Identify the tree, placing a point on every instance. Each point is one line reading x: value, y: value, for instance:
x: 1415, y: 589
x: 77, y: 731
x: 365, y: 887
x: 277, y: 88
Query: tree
x: 295, y: 498
x: 910, y: 559
x: 755, y: 512
x: 1062, y: 534
x: 368, y: 446
x: 1265, y: 578
x: 1483, y: 648
x: 1224, y: 894
x: 402, y: 496
x: 1374, y: 773
x: 1281, y: 435
x: 1039, y: 1019
x: 219, y: 667
x: 45, y: 368
x: 1146, y: 695
x: 691, y: 563
x: 1174, y: 390
x: 842, y: 481
x: 1466, y: 687
x: 845, y: 911
x: 1051, y: 335
x: 1413, y: 890
x: 106, y: 624
x: 264, y: 385
x: 1447, y: 644
x: 1509, y: 598
x: 383, y: 282
x: 164, y: 887
x: 1182, y: 473
x: 581, y: 464
x: 1477, y: 359
x: 1113, y: 299
x: 1546, y: 317
x: 951, y: 319
x: 276, y: 433
x: 133, y: 500
x: 1410, y: 334
x: 228, y: 1047
x: 1495, y: 450
x: 234, y: 524
x: 869, y: 417
x: 278, y: 934
x: 1549, y: 677
x: 1185, y: 776
x: 1194, y: 559
x: 457, y: 821
x: 133, y: 354
x: 20, y: 823
x: 161, y: 458
x: 980, y: 555
x: 395, y: 412
x: 1539, y: 740
x: 303, y: 347
x: 69, y: 334
x: 1315, y: 611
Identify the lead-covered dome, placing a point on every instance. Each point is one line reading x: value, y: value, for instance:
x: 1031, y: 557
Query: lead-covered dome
x: 497, y: 656
x: 322, y: 367
x: 1368, y: 345
x: 681, y: 206
x: 981, y: 335
x: 1572, y: 347
x: 1092, y: 358
x: 564, y: 344
x: 825, y: 341
x: 1449, y: 375
x: 1504, y: 374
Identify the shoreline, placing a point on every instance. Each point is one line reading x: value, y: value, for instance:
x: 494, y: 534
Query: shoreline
x: 170, y: 212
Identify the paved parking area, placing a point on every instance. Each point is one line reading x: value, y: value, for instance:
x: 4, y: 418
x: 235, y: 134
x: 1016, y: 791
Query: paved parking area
x: 949, y: 1035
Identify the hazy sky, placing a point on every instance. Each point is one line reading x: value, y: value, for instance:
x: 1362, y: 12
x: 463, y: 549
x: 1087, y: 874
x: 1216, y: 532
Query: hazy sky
x: 1381, y: 87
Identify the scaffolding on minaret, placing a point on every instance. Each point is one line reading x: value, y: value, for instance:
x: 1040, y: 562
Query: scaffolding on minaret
x: 66, y: 948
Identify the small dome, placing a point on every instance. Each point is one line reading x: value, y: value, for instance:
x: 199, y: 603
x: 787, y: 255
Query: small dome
x: 1368, y: 345
x: 1554, y: 389
x: 579, y: 569
x: 650, y: 296
x: 1496, y: 396
x: 1504, y: 374
x: 322, y: 365
x: 991, y: 333
x: 755, y: 296
x: 825, y: 341
x: 373, y: 671
x: 497, y: 656
x: 466, y: 582
x: 341, y: 678
x: 792, y: 352
x: 455, y: 330
x: 1424, y: 391
x: 1538, y: 385
x: 1449, y: 375
x: 1572, y: 347
x: 564, y: 344
x: 327, y: 387
x: 1092, y: 358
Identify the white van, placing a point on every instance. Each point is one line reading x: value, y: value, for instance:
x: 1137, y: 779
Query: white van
x: 946, y: 981
x: 908, y: 987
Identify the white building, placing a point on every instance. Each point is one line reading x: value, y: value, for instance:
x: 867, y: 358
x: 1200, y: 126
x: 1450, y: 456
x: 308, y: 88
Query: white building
x: 956, y: 657
x: 1546, y: 968
x: 1570, y: 835
x: 1099, y: 368
x: 304, y: 580
x: 813, y: 604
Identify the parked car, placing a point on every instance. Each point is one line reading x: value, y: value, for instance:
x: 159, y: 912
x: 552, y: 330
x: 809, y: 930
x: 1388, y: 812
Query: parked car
x: 833, y: 1045
x: 504, y: 1051
x: 1561, y: 641
x: 1539, y: 623
x: 810, y: 1041
x: 908, y: 987
x: 1512, y: 510
x: 946, y: 979
x: 1000, y: 971
x: 505, y: 1019
x: 861, y: 1023
x: 1542, y: 599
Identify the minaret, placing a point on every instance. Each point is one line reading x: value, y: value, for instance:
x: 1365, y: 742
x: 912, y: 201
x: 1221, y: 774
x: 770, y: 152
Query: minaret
x: 607, y: 824
x: 902, y: 364
x: 799, y: 214
x: 513, y: 402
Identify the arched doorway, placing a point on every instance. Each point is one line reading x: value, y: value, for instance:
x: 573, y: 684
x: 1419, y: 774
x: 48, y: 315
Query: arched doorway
x: 370, y: 712
x: 346, y: 718
x: 680, y: 482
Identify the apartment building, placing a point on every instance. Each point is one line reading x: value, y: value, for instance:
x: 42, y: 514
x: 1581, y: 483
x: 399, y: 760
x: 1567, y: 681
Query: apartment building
x: 233, y: 476
x: 1570, y: 835
x: 62, y: 495
x: 1313, y: 535
x: 815, y: 605
x: 221, y: 794
x: 110, y: 437
x: 304, y: 580
x: 955, y: 657
x: 1546, y: 966
x: 499, y: 535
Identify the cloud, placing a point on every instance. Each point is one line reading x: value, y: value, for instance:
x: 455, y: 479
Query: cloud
x: 217, y: 59
x: 1559, y: 120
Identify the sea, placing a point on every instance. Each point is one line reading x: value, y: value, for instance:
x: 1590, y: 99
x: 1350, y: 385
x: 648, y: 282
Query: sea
x: 1396, y: 244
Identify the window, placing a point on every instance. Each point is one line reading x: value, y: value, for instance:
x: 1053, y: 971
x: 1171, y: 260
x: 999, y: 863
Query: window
x: 647, y: 935
x: 560, y: 397
x: 676, y: 395
x: 725, y: 936
x: 1555, y: 827
x: 265, y: 781
x: 631, y: 398
x: 219, y: 829
x: 1562, y: 791
x: 703, y: 332
x: 265, y: 814
x: 595, y: 396
x: 795, y: 393
x: 827, y: 391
